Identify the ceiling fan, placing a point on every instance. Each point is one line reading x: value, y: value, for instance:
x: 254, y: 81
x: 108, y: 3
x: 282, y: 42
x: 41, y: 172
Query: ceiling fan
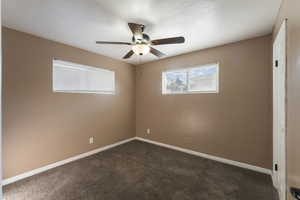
x: 141, y: 43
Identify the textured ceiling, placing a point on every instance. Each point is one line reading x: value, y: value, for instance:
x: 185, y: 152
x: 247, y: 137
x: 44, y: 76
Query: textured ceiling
x: 204, y: 23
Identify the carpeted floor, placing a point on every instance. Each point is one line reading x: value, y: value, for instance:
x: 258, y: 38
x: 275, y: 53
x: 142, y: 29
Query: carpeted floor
x: 141, y: 171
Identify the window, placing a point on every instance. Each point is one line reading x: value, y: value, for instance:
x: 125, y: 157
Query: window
x: 202, y: 79
x: 75, y: 78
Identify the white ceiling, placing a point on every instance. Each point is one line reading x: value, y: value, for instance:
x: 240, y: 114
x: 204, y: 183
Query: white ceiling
x: 204, y: 23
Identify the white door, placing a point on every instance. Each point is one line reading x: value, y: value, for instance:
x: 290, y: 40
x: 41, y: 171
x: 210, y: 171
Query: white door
x: 279, y: 112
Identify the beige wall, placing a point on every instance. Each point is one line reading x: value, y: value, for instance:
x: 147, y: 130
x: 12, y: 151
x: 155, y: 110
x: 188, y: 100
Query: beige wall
x: 290, y: 10
x: 42, y: 127
x: 234, y: 124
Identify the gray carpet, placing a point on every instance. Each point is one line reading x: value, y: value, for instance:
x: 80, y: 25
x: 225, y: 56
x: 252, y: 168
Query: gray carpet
x: 141, y: 171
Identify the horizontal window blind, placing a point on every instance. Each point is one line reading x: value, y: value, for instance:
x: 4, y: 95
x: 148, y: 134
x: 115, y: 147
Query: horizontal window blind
x: 71, y: 77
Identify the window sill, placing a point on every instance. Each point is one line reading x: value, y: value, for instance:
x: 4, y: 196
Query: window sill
x: 84, y: 92
x: 208, y: 92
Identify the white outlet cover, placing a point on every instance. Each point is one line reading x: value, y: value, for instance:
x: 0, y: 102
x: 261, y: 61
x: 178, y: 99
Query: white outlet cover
x: 91, y: 140
x: 148, y: 131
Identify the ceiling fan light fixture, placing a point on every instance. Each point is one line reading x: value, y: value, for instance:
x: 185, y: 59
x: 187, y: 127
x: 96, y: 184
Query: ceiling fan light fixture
x: 141, y: 49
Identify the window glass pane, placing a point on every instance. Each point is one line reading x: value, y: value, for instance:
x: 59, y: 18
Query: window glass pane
x: 176, y: 82
x: 203, y: 79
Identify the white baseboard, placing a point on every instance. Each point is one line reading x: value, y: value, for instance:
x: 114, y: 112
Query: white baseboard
x: 274, y: 181
x: 83, y: 155
x: 207, y: 156
x: 62, y: 162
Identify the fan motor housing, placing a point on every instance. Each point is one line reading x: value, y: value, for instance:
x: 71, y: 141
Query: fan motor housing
x: 145, y: 39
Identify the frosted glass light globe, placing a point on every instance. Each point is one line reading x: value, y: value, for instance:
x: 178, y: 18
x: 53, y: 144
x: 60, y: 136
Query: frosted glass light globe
x: 141, y: 49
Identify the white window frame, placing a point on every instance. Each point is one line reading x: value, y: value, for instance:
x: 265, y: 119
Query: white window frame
x: 164, y: 92
x: 80, y: 67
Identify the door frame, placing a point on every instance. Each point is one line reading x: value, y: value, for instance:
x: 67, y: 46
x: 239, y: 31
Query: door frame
x: 280, y: 110
x: 0, y: 101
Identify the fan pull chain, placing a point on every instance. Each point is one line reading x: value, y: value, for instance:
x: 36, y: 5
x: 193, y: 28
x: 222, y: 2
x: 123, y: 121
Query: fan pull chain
x: 139, y: 59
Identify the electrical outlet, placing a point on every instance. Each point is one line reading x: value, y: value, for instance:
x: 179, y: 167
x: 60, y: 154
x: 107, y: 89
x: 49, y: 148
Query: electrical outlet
x: 148, y: 131
x: 91, y: 140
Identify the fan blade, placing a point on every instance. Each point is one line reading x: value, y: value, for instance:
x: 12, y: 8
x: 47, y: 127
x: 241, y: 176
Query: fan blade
x: 174, y: 40
x: 136, y: 28
x: 104, y: 42
x: 128, y: 55
x: 156, y: 52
